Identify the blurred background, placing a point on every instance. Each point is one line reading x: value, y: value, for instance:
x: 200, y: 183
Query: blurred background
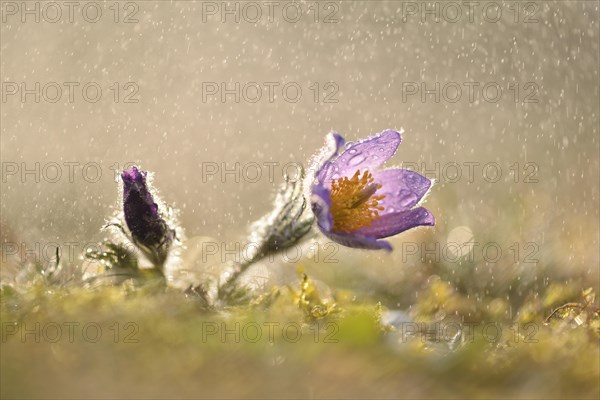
x: 498, y: 102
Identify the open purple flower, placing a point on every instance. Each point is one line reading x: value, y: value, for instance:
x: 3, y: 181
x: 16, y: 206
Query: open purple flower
x: 149, y: 231
x: 356, y: 203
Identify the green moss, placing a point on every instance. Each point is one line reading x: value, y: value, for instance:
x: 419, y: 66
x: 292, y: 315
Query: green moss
x: 293, y: 341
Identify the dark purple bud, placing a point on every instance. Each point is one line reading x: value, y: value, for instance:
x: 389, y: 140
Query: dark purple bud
x: 148, y: 230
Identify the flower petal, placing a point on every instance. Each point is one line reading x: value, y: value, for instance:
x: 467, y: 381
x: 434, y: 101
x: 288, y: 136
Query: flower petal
x: 321, y: 205
x: 393, y: 224
x: 403, y: 189
x: 321, y: 162
x: 368, y: 154
x: 358, y: 241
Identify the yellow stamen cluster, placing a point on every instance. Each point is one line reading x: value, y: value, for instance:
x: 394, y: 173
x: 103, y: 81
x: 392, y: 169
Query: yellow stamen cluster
x: 353, y: 204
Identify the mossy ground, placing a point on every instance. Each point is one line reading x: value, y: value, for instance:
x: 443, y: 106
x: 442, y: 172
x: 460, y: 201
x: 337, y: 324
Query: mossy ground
x: 292, y: 342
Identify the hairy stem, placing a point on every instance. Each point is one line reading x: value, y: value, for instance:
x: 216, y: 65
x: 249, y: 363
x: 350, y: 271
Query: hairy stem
x: 238, y: 269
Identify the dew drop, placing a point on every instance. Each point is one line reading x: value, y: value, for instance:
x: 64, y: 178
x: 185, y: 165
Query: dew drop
x: 410, y: 178
x: 406, y: 198
x: 357, y: 159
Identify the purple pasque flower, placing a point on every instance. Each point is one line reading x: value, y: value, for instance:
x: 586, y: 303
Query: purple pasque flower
x: 356, y: 203
x: 148, y: 229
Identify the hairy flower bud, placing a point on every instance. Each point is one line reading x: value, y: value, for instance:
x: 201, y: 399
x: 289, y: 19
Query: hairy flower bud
x: 149, y: 231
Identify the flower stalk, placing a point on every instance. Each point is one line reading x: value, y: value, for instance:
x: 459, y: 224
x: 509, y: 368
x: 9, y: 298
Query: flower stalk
x: 280, y: 229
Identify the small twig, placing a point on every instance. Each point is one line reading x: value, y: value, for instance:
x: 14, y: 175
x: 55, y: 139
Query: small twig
x: 583, y: 307
x: 568, y: 305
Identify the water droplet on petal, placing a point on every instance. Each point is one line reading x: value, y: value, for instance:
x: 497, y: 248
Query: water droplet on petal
x: 410, y: 178
x: 352, y: 151
x: 406, y: 198
x: 357, y: 159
